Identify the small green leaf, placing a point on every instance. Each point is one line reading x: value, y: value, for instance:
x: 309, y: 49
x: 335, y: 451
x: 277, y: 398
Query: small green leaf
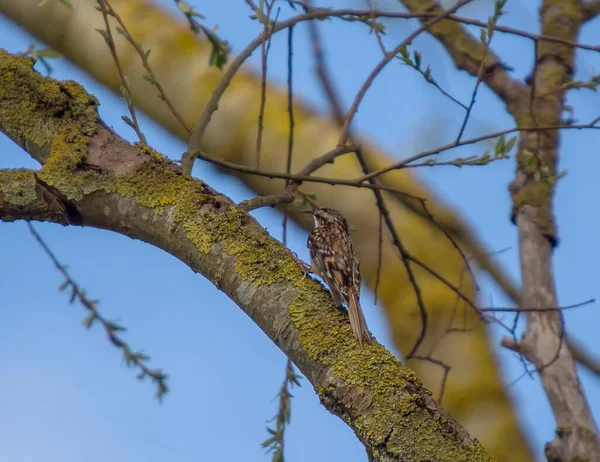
x: 483, y: 36
x: 404, y: 52
x: 268, y: 441
x: 510, y: 144
x: 116, y: 341
x: 128, y: 121
x: 490, y: 27
x: 140, y: 357
x: 184, y: 7
x: 113, y: 326
x: 105, y: 35
x: 149, y: 78
x: 161, y: 390
x: 89, y: 320
x: 499, y: 148
x: 417, y: 59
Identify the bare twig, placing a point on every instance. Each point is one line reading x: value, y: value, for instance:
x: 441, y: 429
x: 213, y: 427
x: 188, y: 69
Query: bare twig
x: 444, y: 366
x: 384, y: 62
x: 349, y: 14
x: 265, y: 47
x: 416, y: 65
x: 144, y: 55
x: 486, y: 37
x: 404, y: 163
x: 453, y: 242
x: 538, y: 310
x: 125, y: 90
x: 379, y: 256
x: 297, y: 178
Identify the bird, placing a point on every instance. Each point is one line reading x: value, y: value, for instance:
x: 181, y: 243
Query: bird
x: 333, y: 258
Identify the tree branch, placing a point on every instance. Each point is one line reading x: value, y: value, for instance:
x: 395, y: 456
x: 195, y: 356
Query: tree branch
x: 24, y: 197
x: 532, y: 192
x: 591, y: 9
x: 135, y: 191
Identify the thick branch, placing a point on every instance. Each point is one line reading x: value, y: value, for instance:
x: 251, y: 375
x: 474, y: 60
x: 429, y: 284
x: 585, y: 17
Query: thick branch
x: 532, y: 191
x: 135, y: 191
x: 591, y: 9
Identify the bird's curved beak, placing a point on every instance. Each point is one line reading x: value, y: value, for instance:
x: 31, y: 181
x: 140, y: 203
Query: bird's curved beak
x: 309, y: 211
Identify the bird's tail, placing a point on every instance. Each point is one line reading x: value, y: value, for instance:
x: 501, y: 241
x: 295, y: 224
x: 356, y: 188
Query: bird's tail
x: 357, y: 318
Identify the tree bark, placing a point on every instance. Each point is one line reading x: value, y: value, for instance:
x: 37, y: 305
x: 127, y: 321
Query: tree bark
x: 544, y: 342
x: 538, y: 103
x: 90, y: 176
x: 180, y: 62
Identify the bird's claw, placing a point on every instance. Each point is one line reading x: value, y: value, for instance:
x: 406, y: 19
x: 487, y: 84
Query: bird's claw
x: 306, y: 268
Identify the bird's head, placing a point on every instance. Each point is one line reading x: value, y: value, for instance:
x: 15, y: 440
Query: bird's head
x: 326, y: 216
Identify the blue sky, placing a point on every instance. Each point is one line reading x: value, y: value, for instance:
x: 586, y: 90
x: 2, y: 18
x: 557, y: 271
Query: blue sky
x: 66, y: 394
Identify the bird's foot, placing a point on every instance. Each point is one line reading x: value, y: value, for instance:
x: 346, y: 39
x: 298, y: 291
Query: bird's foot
x: 306, y: 268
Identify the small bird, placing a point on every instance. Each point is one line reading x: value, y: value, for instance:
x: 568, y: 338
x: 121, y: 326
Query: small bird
x: 334, y: 259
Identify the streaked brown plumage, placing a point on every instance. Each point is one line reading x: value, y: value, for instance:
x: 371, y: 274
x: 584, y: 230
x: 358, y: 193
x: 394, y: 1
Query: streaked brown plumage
x: 334, y: 259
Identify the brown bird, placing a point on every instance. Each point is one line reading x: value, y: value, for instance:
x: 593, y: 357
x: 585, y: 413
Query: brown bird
x: 334, y: 259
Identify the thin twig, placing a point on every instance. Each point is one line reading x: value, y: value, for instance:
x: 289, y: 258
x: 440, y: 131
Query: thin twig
x: 125, y: 91
x: 444, y: 366
x: 150, y: 77
x: 276, y: 442
x: 489, y: 33
x: 356, y: 15
x: 379, y: 256
x: 290, y: 101
x: 375, y: 29
x: 299, y: 178
x: 453, y: 242
x: 403, y: 163
x: 430, y: 79
x: 384, y: 62
x: 265, y: 47
x: 136, y: 359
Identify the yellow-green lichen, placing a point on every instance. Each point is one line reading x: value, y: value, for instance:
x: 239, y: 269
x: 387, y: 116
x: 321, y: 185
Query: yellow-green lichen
x: 55, y: 118
x: 260, y: 259
x: 49, y: 108
x: 325, y: 334
x: 156, y: 184
x: 373, y: 374
x: 17, y: 187
x: 537, y: 195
